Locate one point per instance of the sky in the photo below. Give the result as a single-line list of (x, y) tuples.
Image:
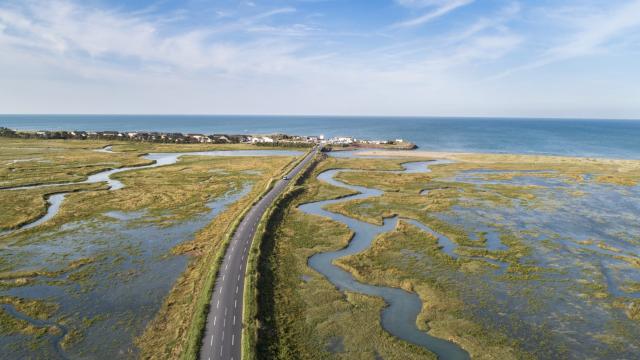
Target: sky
[(543, 58)]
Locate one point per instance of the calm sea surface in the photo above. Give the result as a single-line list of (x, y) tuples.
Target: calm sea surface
[(601, 138)]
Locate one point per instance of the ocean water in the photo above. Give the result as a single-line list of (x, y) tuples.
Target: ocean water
[(586, 137)]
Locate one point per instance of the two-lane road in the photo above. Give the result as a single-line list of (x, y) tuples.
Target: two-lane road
[(222, 337)]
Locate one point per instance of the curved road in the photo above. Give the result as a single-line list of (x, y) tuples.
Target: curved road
[(222, 337)]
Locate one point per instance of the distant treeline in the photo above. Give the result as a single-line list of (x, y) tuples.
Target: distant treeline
[(4, 132)]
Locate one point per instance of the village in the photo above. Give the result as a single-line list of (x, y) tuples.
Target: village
[(195, 138)]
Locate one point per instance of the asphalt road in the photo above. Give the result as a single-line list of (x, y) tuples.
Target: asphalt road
[(222, 337)]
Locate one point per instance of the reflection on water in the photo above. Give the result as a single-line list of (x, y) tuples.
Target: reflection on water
[(581, 242), (112, 297), (57, 331), (585, 238)]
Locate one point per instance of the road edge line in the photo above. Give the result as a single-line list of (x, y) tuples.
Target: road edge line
[(250, 292)]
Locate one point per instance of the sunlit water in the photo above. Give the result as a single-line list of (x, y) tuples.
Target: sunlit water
[(584, 236), (122, 290), (602, 138), (111, 299), (580, 234)]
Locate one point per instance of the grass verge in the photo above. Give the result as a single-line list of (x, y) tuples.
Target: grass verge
[(176, 332), (269, 221)]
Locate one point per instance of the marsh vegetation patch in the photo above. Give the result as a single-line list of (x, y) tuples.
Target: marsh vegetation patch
[(545, 253), (106, 262)]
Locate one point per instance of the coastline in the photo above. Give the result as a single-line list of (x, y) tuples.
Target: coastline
[(615, 139), (476, 156), (414, 153)]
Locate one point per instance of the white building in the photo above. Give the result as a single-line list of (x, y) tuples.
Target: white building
[(200, 138), (342, 140), (261, 139)]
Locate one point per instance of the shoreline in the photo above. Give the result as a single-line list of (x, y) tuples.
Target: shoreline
[(470, 156)]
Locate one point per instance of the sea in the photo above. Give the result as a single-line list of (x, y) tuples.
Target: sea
[(572, 137)]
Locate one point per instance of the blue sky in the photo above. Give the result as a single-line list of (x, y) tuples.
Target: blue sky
[(377, 57)]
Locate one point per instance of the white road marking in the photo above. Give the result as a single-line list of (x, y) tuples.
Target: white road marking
[(224, 322), (246, 240)]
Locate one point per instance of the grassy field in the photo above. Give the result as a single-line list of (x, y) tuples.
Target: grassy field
[(29, 162), (144, 147), (35, 161), (301, 315), (176, 330), (443, 313), (21, 207), (611, 171), (304, 316), (166, 195)]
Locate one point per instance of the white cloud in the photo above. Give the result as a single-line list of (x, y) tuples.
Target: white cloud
[(65, 56), (487, 38), (443, 8), (67, 30), (422, 3), (594, 31)]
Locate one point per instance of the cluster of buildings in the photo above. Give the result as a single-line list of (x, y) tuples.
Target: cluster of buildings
[(280, 139), (135, 136), (346, 140), (152, 136)]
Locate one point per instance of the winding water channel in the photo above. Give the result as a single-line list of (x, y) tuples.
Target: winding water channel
[(55, 339), (399, 317), (54, 201), (123, 287)]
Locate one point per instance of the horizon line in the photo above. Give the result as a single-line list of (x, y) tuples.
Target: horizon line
[(479, 117)]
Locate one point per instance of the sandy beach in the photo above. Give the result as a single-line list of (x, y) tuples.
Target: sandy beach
[(414, 153)]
